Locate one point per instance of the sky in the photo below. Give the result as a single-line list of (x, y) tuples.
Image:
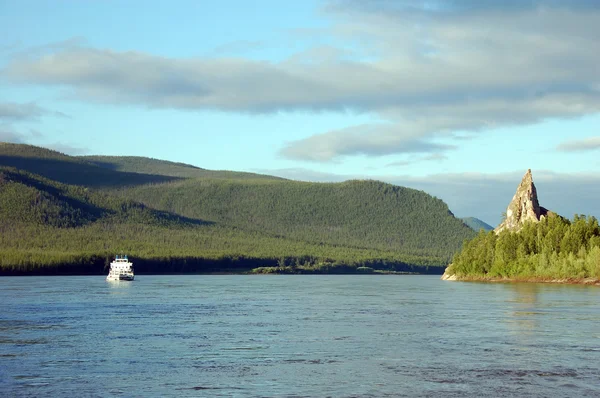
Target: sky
[(457, 98)]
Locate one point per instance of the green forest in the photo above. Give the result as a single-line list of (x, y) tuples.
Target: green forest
[(70, 215), (553, 249), (362, 214)]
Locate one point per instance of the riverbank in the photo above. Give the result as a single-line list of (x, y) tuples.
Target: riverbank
[(569, 281), (197, 266)]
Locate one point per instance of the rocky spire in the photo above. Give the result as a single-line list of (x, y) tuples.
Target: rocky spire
[(523, 207)]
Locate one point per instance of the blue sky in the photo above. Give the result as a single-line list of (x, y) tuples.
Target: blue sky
[(458, 98)]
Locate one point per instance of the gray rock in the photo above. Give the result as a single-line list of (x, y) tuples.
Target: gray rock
[(524, 206)]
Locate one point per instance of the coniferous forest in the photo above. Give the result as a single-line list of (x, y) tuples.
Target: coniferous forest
[(70, 215), (553, 249)]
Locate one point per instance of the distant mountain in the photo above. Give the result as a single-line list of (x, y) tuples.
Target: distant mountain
[(59, 209), (476, 224)]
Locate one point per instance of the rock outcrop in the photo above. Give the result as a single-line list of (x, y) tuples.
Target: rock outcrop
[(524, 206), (449, 275)]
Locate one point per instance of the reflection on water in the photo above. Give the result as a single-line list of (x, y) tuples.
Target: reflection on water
[(524, 307), (525, 292), (120, 287), (296, 336)]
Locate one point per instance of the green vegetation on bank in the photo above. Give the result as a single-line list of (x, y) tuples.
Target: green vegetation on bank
[(155, 249), (74, 216), (554, 248)]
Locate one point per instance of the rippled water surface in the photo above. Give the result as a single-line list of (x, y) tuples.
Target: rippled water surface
[(315, 336)]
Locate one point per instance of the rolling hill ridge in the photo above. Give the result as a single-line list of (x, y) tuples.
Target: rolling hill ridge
[(165, 214), (150, 166)]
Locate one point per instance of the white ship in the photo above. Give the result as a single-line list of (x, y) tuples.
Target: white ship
[(120, 270)]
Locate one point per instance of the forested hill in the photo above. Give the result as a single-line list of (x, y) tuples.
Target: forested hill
[(58, 209), (368, 214), (143, 165), (28, 199), (70, 169)]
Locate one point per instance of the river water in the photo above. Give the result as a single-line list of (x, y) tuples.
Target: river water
[(296, 336)]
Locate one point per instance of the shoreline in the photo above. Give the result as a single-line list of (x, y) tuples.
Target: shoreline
[(250, 272), (563, 281)]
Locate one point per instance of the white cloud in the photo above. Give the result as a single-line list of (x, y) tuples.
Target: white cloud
[(586, 144), (438, 157), (68, 149), (29, 111), (17, 112), (8, 134), (374, 140), (430, 69)]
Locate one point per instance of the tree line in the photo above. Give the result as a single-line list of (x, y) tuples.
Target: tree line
[(554, 248)]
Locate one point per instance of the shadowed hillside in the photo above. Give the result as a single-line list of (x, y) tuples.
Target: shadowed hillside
[(26, 198), (137, 164), (68, 169)]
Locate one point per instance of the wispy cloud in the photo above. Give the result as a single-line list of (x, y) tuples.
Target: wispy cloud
[(587, 144), (8, 134), (13, 114), (16, 112), (388, 7), (369, 140), (437, 157), (68, 149)]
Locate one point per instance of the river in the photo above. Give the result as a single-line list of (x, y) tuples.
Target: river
[(296, 336)]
